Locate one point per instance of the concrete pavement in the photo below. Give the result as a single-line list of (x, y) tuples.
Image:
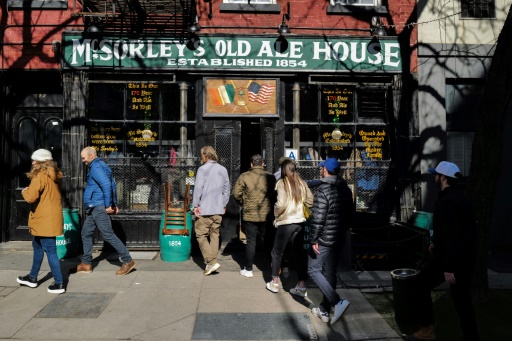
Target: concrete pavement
[(169, 301), (175, 301)]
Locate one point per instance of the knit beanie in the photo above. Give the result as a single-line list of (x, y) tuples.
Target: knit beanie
[(42, 155)]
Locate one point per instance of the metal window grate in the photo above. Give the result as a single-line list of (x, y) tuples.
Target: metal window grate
[(478, 9), (139, 182), (224, 148), (372, 103), (367, 180)]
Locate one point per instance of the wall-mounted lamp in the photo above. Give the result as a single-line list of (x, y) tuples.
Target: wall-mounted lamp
[(376, 27), (194, 27), (56, 47), (336, 134), (283, 28)]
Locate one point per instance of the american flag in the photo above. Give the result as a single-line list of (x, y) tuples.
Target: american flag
[(259, 93)]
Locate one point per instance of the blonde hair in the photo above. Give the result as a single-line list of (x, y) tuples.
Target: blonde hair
[(295, 185), (209, 153), (42, 166)]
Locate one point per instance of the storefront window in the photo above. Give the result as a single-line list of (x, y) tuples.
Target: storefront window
[(350, 124), (136, 129)]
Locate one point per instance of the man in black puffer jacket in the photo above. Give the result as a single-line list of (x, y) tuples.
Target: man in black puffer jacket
[(333, 212)]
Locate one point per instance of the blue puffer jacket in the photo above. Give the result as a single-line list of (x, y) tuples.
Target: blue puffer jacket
[(100, 188)]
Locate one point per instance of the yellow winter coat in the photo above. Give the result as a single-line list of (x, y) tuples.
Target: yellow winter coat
[(45, 219)]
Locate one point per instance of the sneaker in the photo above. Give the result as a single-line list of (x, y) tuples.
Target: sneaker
[(323, 315), (302, 292), (56, 288), (126, 268), (246, 273), (424, 333), (84, 268), (274, 287), (339, 309), (27, 280), (211, 268)]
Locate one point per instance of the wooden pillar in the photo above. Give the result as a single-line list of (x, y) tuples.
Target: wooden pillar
[(73, 137)]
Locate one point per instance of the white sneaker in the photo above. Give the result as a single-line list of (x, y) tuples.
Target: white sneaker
[(211, 268), (246, 273), (302, 292), (274, 287), (339, 309), (324, 316)]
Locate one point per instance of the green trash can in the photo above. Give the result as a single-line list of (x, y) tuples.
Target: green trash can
[(404, 294), (176, 247), (67, 243)]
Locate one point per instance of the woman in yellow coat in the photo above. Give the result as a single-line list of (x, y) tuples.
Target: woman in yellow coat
[(45, 221)]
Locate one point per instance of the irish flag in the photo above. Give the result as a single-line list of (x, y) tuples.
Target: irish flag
[(222, 95)]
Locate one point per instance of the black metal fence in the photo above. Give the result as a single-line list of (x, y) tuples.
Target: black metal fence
[(140, 181), (366, 179)]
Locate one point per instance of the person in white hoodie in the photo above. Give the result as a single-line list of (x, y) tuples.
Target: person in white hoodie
[(292, 194)]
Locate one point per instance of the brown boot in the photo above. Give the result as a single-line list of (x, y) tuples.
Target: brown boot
[(424, 333), (126, 268), (84, 268)]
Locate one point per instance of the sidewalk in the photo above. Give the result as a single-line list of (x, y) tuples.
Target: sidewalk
[(169, 301), (175, 301)]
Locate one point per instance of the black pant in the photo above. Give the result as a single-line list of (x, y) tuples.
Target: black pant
[(293, 234), (251, 230), (431, 277)]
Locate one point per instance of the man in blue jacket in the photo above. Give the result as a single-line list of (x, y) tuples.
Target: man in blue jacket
[(100, 200)]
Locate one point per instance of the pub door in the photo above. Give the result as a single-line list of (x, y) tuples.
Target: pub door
[(33, 129), (235, 141)]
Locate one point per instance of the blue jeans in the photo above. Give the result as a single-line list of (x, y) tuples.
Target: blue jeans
[(98, 217), (322, 270), (48, 245)]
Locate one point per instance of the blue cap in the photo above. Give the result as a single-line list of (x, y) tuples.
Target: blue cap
[(331, 164)]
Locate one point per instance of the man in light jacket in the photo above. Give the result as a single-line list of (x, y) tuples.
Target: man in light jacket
[(211, 195)]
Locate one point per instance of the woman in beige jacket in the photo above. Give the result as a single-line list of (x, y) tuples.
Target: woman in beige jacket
[(45, 221), (292, 194)]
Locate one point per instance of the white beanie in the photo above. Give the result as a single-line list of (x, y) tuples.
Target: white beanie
[(42, 155)]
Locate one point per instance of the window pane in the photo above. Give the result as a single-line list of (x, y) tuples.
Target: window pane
[(372, 104), (372, 143), (143, 101), (337, 141), (142, 139), (478, 9), (107, 139), (27, 139), (106, 101), (53, 134), (337, 104), (171, 102)]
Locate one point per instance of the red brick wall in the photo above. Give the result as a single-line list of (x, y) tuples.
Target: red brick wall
[(28, 37), (29, 34)]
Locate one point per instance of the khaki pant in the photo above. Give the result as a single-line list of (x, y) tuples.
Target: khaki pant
[(208, 226)]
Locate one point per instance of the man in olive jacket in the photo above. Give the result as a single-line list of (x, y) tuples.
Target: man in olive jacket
[(333, 211), (254, 191)]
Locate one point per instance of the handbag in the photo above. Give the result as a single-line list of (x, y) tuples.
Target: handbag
[(307, 211)]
